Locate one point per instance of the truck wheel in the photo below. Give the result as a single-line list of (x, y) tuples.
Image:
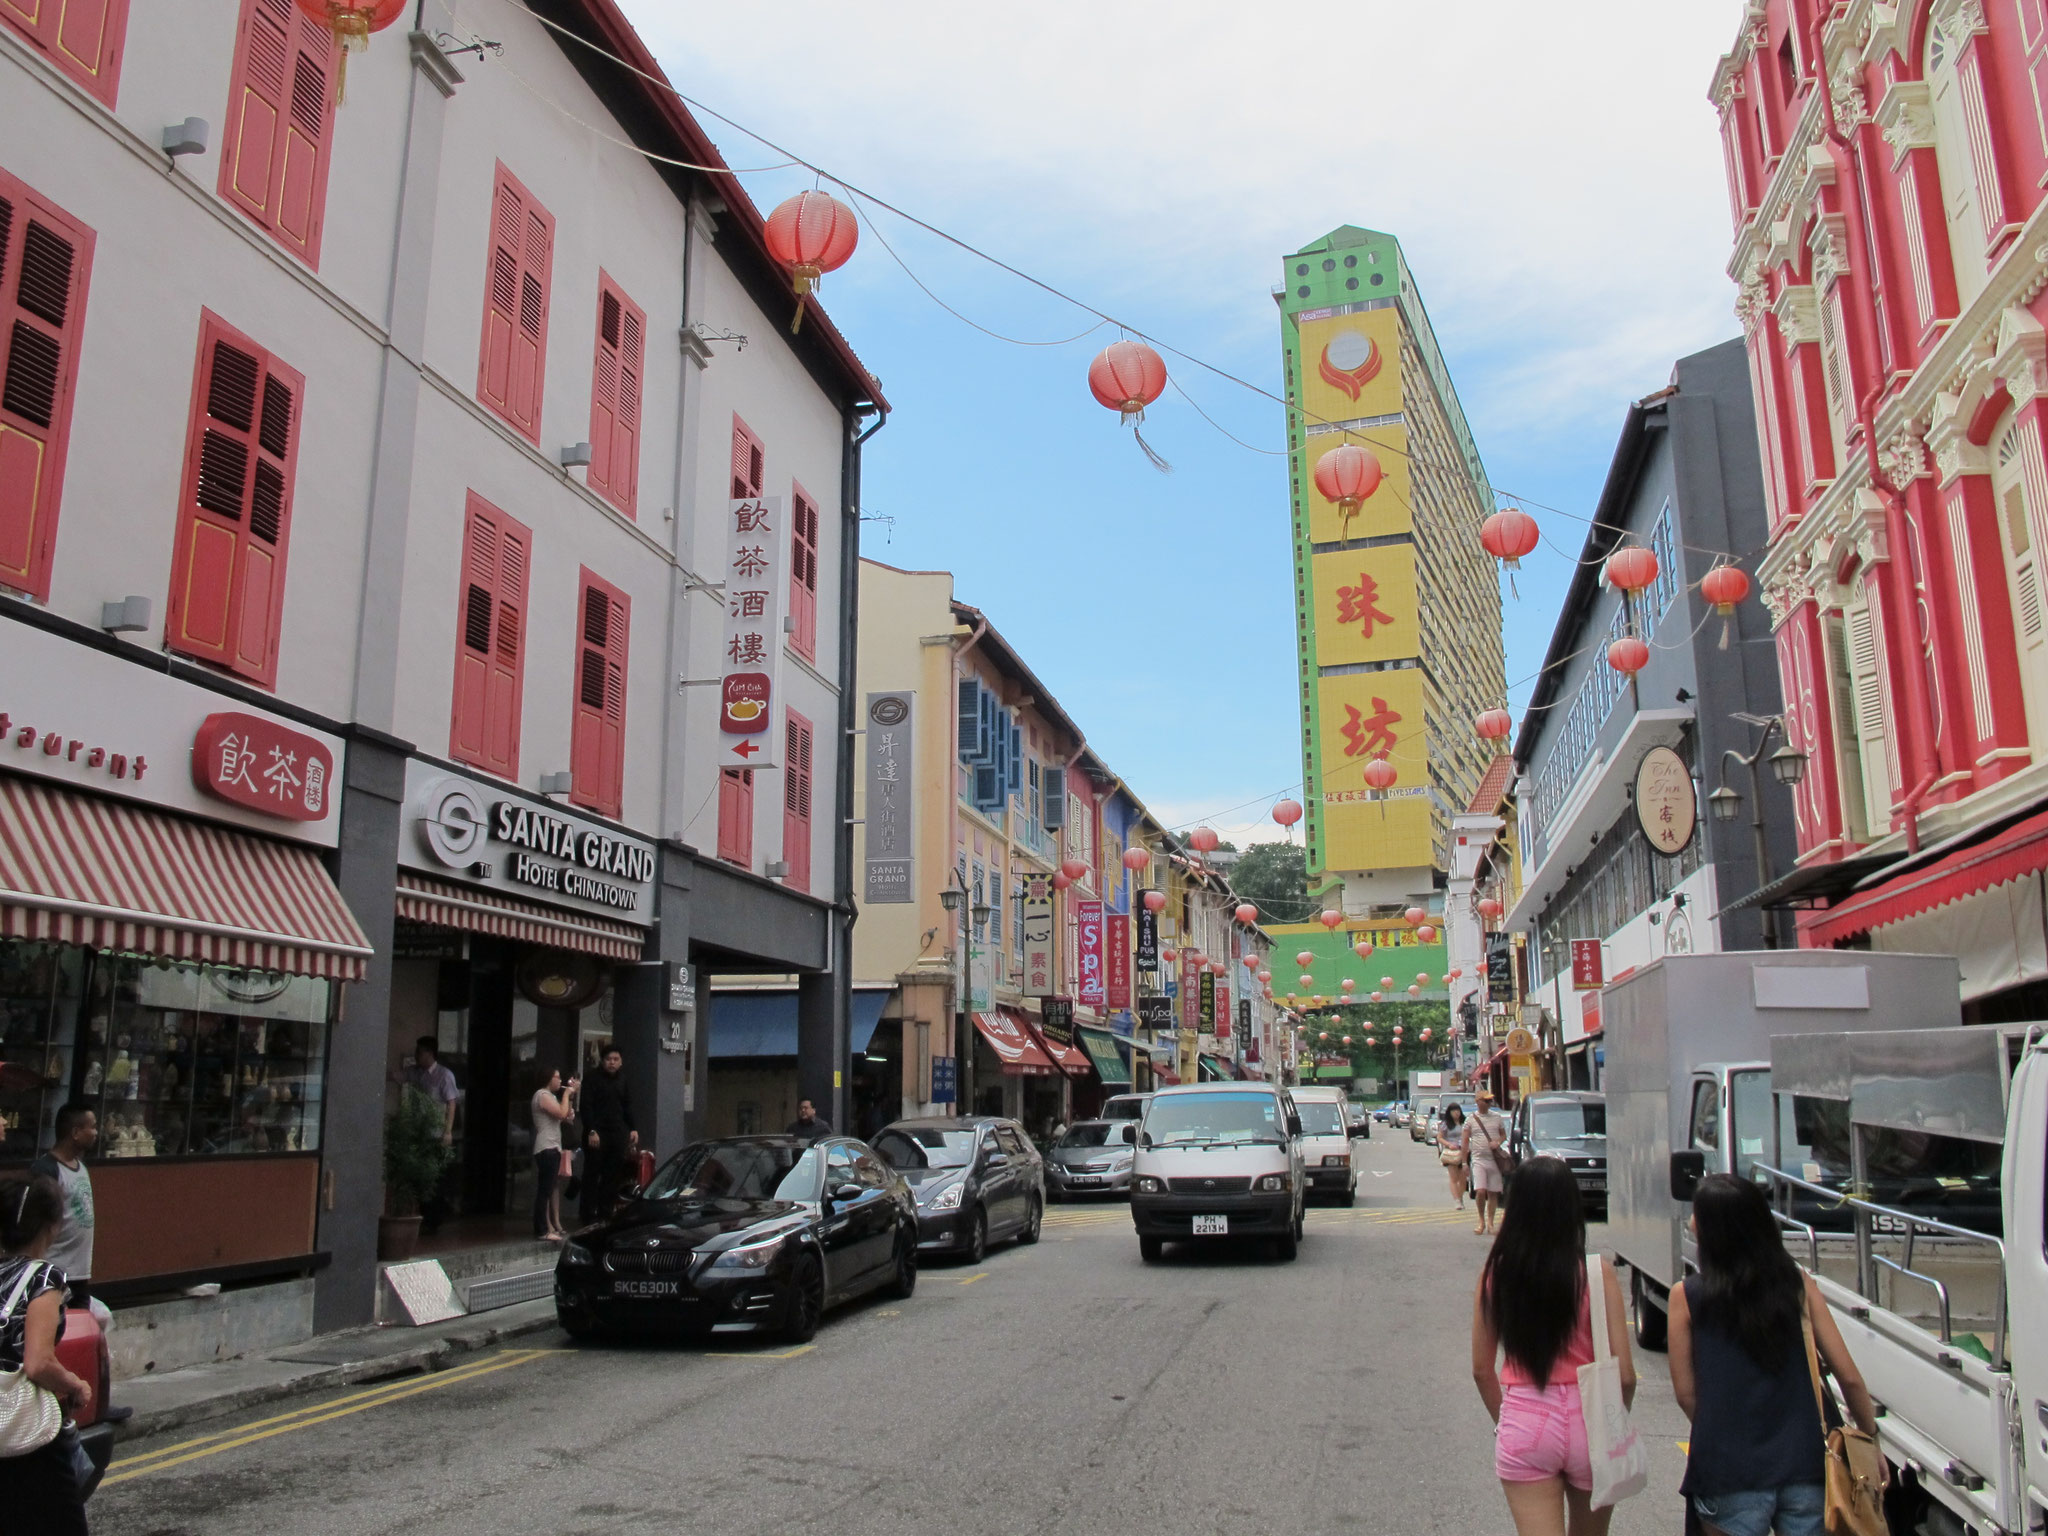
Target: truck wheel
[(1651, 1323), (1151, 1249), (1285, 1248)]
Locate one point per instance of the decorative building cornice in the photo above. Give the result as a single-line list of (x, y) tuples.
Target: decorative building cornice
[(1830, 246), (1959, 20), (2021, 358), (1905, 116), (1948, 437), (1846, 86), (1903, 458), (1798, 312), (1866, 527)]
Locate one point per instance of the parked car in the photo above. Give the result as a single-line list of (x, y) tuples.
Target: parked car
[(1092, 1158), (1422, 1120), (976, 1179), (763, 1231), (1218, 1160), (1125, 1106), (1572, 1126), (1327, 1131)]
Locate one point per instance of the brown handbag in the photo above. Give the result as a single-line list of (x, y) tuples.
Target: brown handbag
[(1854, 1464)]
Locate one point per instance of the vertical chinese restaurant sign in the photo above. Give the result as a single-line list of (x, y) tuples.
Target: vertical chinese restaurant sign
[(1190, 992), (1119, 941), (1090, 982), (756, 552), (1206, 1008), (892, 799), (268, 767), (1148, 939), (1586, 965), (1038, 935)]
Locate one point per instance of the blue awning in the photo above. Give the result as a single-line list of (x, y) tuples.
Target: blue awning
[(764, 1023)]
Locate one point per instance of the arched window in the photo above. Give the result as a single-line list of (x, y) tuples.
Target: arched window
[(1958, 170), (2021, 525)]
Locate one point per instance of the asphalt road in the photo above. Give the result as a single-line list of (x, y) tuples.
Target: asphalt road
[(1063, 1388)]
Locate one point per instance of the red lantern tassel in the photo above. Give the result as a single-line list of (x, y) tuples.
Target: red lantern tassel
[(1724, 632), (1157, 462)]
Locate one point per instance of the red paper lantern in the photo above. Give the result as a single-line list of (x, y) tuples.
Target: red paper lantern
[(1422, 978), (1136, 859), (1347, 1039), (1348, 985), (1415, 917), (1251, 962), (1203, 840), (1381, 774), (1415, 991), (1322, 1034), (1127, 376), (1489, 908), (1631, 568), (1155, 901), (1287, 812), (1493, 724), (1426, 934), (1363, 949), (1508, 535), (1307, 980), (351, 22), (1370, 1041), (1347, 476), (1386, 981), (1379, 997), (1725, 586), (1217, 968), (1332, 919), (1246, 913), (1454, 973), (1059, 880), (809, 235), (1425, 1034), (1305, 959), (1264, 974), (1628, 654), (1074, 869)]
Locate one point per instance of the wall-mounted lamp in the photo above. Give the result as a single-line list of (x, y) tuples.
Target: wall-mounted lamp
[(186, 138), (776, 869), (557, 783), (128, 616), (576, 456)]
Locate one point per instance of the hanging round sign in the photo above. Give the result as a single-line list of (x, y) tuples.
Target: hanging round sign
[(1667, 806)]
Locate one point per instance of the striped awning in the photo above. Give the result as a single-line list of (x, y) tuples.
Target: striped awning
[(77, 869), (478, 911)]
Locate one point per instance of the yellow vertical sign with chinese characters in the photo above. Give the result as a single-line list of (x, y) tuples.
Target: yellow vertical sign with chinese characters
[(1365, 605), (1364, 715)]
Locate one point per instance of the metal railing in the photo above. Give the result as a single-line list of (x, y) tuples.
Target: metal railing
[(1864, 1213)]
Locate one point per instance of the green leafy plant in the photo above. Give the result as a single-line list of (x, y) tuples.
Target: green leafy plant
[(414, 1156)]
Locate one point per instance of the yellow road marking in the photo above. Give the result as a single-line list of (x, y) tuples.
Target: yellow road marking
[(972, 1278), (285, 1424), (760, 1354)]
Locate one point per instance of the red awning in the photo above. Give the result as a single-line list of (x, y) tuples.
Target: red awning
[(1014, 1046), (77, 869), (2020, 850), (1071, 1059)]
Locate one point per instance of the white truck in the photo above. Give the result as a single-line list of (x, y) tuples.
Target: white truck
[(1910, 1171), (1688, 1070)]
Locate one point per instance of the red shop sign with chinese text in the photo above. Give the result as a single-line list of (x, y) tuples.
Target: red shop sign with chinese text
[(1586, 964), (1089, 984), (253, 762), (1119, 960)]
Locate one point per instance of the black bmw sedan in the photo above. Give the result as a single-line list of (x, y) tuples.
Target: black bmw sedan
[(754, 1233)]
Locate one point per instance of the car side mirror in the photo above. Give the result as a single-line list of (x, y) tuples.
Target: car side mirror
[(1687, 1169), (846, 1193), (1294, 1125), (1130, 1135), (998, 1160), (1361, 1129)]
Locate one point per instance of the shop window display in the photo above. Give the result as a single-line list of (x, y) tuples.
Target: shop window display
[(40, 988)]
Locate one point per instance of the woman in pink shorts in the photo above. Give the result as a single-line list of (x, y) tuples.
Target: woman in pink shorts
[(1532, 1328)]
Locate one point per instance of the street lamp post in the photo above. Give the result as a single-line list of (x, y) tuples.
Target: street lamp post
[(954, 899), (1788, 767)]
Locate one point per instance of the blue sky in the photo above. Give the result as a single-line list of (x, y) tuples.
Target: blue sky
[(1553, 173)]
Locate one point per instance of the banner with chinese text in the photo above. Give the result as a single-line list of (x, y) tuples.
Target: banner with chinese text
[(1118, 941), (755, 573), (1038, 935), (891, 815)]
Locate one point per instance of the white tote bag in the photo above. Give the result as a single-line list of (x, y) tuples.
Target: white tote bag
[(1620, 1464), (30, 1416)]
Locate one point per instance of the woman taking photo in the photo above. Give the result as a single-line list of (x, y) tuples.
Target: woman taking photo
[(38, 1486), (1740, 1373), (1450, 1150), (1532, 1328), (551, 1110)]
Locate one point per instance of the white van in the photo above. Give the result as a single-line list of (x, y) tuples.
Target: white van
[(1327, 1128), (1217, 1160)]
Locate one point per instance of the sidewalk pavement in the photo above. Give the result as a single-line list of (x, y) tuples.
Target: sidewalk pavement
[(331, 1360)]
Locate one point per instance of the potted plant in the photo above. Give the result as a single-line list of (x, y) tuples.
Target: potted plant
[(415, 1158)]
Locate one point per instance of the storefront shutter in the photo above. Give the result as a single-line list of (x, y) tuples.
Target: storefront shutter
[(490, 639), (81, 37), (273, 163), (515, 340), (227, 571), (597, 752), (615, 397), (44, 259), (796, 801)]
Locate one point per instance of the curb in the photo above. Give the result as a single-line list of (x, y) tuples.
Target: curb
[(432, 1355)]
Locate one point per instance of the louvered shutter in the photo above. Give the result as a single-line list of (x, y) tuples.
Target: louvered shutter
[(1866, 681), (44, 260), (736, 816), (227, 571), (615, 397), (803, 572), (490, 641), (597, 752), (516, 278), (796, 801), (81, 37), (748, 462), (273, 163)]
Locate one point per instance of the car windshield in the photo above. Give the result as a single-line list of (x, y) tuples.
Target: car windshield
[(1567, 1120), (1217, 1119), (912, 1147), (1320, 1119), (738, 1170), (1089, 1133), (1126, 1106)]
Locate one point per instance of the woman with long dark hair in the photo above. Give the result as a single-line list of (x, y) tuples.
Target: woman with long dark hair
[(1450, 1150), (1739, 1370), (39, 1485), (1532, 1328)]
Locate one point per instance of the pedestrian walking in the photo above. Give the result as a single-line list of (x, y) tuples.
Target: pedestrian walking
[(430, 1075), (76, 1131), (808, 1124), (553, 1107), (1486, 1149), (1740, 1332), (1532, 1314), (39, 1461), (1450, 1150), (608, 1135)]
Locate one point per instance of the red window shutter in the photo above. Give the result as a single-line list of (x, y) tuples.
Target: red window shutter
[(749, 462), (615, 396), (736, 816), (803, 572), (234, 526), (515, 341), (597, 751), (45, 256), (81, 37), (796, 801), (280, 123), (490, 639)]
